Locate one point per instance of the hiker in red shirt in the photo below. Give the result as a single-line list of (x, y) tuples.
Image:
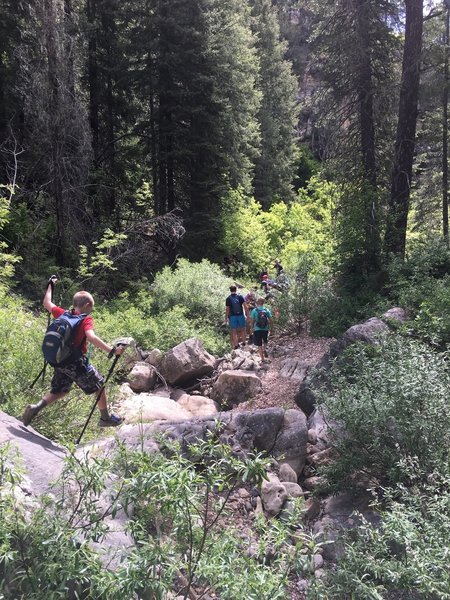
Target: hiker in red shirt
[(79, 370)]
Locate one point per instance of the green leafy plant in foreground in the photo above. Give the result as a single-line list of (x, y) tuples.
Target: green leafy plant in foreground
[(177, 508), (387, 402), (405, 555)]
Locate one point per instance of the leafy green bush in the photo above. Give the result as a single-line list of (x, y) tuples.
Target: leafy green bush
[(422, 285), (123, 317), (199, 287), (405, 556), (389, 402), (178, 520)]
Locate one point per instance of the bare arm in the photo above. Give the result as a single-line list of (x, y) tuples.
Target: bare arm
[(93, 338), (47, 301)]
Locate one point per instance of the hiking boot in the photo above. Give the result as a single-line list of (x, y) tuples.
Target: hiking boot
[(29, 413), (111, 421), (266, 354)]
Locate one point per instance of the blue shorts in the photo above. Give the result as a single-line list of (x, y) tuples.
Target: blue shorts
[(237, 322)]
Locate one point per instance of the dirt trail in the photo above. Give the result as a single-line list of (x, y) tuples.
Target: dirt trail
[(277, 390)]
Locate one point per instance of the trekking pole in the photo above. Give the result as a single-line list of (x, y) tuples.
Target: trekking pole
[(51, 281), (116, 358)]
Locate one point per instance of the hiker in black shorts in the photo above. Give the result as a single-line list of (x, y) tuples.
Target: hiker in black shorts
[(80, 371)]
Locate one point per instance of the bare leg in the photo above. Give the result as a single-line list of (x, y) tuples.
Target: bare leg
[(233, 338), (241, 335), (33, 409)]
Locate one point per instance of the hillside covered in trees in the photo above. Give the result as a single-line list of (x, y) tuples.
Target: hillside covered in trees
[(154, 152)]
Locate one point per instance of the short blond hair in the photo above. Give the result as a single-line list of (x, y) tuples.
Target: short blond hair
[(82, 298)]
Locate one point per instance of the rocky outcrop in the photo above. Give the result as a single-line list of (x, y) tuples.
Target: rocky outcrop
[(366, 332), (142, 377), (233, 387), (272, 430), (186, 362), (42, 459)]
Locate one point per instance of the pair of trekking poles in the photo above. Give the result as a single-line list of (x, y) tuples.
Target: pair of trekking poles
[(51, 282)]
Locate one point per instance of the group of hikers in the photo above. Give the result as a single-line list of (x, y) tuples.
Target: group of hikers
[(73, 329), (249, 316)]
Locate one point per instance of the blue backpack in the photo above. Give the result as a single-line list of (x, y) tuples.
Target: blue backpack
[(58, 344), (236, 305)]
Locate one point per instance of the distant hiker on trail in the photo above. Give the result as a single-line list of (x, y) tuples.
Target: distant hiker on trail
[(278, 267), (250, 301), (235, 315), (77, 368), (261, 325)]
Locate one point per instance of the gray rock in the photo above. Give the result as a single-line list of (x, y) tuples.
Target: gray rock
[(42, 459), (293, 490), (234, 387), (293, 368), (186, 362), (154, 357), (142, 377), (287, 474), (290, 446), (273, 495)]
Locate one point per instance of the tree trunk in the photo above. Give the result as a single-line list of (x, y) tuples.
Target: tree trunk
[(56, 185), (445, 132), (93, 82), (395, 238), (367, 134)]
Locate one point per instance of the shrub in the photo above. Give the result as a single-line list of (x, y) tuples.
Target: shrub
[(123, 318), (388, 402), (422, 285), (178, 510), (199, 287), (404, 557)]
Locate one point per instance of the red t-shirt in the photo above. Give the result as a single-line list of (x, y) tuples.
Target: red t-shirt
[(86, 324)]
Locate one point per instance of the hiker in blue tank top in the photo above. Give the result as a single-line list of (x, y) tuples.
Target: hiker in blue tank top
[(261, 319), (235, 314)]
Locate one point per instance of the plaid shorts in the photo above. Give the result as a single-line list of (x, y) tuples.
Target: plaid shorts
[(80, 372)]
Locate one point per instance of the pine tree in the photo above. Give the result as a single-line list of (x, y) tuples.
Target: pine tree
[(278, 112)]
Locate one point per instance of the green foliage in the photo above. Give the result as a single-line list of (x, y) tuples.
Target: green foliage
[(403, 557), (7, 259), (100, 260), (136, 317), (422, 285), (177, 512), (389, 403), (287, 231), (199, 287)]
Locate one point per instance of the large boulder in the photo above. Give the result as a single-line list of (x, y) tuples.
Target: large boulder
[(145, 408), (290, 445), (186, 362), (42, 459), (142, 377), (366, 332), (233, 387), (278, 433)]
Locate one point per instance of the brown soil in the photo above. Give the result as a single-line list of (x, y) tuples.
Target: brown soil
[(280, 391)]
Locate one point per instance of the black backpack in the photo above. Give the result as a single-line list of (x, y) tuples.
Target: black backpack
[(262, 319), (58, 344), (236, 304)]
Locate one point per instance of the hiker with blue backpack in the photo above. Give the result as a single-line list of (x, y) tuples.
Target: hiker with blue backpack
[(65, 348), (261, 324), (235, 314)]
